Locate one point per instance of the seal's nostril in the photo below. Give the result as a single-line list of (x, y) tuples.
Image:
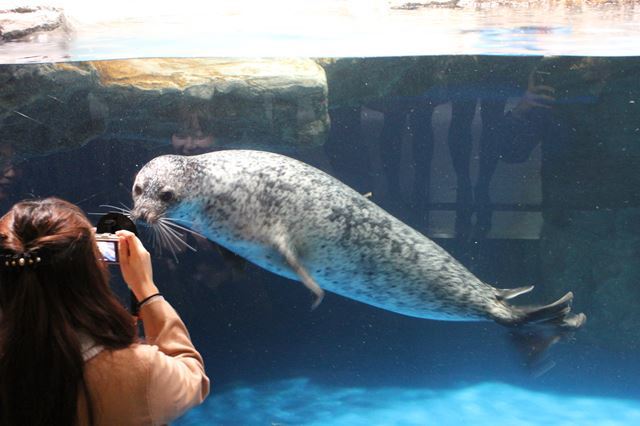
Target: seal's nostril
[(140, 214)]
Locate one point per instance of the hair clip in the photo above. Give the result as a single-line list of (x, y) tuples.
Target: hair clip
[(21, 260)]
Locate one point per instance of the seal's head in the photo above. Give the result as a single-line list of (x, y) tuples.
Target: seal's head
[(159, 187)]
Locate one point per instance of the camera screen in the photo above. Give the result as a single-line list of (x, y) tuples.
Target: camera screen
[(109, 251)]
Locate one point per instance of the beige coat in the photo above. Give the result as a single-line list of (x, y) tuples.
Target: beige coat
[(147, 384)]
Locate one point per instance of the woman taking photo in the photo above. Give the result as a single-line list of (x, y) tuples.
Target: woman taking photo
[(69, 352)]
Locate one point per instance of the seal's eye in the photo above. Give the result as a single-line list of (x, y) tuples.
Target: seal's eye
[(166, 196), (137, 190)]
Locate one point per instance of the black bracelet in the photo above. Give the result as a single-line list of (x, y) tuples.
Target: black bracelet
[(146, 299)]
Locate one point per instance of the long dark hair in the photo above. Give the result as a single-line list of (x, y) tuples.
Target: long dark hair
[(45, 307)]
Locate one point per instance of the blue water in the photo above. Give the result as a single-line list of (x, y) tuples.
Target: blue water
[(350, 364), (379, 369), (301, 401)]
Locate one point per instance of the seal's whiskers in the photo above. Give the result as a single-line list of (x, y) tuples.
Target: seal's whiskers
[(154, 240), (165, 239), (162, 240), (172, 222), (124, 210), (175, 234)]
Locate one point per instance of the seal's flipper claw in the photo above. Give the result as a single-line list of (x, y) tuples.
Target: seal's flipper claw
[(510, 293), (318, 299), (308, 281), (294, 263)]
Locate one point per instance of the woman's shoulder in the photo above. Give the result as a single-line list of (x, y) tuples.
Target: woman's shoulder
[(134, 357)]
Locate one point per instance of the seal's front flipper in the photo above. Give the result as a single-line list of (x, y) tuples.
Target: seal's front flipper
[(294, 263)]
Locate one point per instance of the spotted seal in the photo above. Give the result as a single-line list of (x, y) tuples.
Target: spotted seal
[(299, 222)]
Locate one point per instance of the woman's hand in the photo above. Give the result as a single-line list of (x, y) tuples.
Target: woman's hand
[(135, 264), (538, 95)]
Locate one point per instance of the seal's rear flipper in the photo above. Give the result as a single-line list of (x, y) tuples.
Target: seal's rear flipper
[(533, 345), (556, 314), (537, 328)]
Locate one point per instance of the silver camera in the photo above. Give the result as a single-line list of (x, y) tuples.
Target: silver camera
[(108, 246)]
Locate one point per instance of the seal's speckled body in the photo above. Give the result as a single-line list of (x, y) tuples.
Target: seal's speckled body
[(299, 222)]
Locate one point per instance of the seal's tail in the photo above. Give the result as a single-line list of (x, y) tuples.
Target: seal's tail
[(536, 328), (556, 315)]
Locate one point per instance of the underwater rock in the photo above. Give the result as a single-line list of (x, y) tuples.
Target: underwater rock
[(279, 104), (47, 108), (276, 103)]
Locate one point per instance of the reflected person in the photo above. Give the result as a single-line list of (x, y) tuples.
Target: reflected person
[(583, 114), (10, 174), (201, 267), (415, 115), (533, 121), (460, 140), (194, 134), (192, 142)]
